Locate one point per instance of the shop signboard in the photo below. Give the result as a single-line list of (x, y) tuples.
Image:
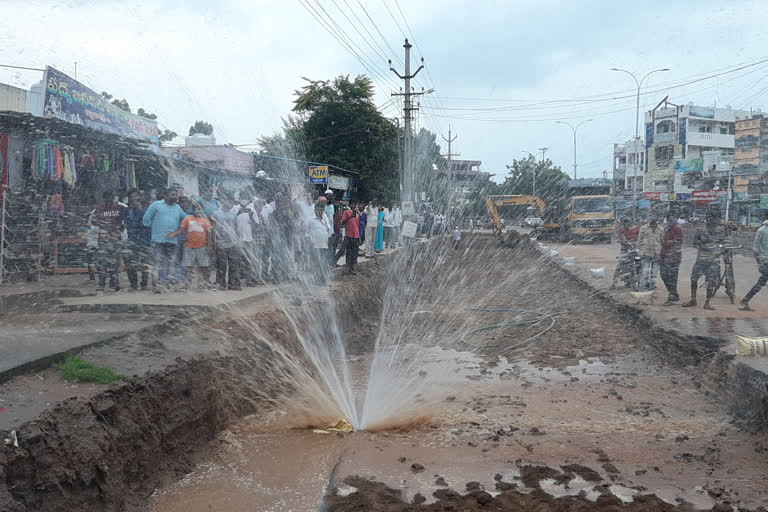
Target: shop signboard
[(683, 196), (692, 165), (740, 196), (708, 196), (652, 196), (644, 203), (318, 174), (703, 112), (338, 182), (69, 100), (764, 201)]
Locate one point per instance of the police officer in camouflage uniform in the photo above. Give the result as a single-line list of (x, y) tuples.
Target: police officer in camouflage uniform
[(710, 242)]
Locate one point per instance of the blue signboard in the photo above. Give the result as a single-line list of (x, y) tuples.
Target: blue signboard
[(683, 196), (69, 100), (644, 203)]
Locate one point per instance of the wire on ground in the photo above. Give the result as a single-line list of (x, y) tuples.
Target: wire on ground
[(543, 316)]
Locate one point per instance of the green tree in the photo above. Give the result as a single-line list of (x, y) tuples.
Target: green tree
[(550, 179), (288, 143), (341, 127), (144, 113), (201, 127), (167, 136), (121, 104)]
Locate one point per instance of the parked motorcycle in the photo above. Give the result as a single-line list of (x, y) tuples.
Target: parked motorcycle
[(630, 268)]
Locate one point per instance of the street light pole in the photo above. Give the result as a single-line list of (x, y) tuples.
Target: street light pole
[(639, 84), (574, 128)]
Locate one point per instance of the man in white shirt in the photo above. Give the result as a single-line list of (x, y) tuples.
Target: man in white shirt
[(398, 220), (439, 219), (389, 227), (248, 220), (319, 229), (370, 228)]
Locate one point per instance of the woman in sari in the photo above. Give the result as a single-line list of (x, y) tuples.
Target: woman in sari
[(379, 245)]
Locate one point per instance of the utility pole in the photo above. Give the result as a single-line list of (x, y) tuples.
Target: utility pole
[(451, 171), (408, 107), (399, 156)]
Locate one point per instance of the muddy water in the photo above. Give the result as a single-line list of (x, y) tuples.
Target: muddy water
[(642, 428)]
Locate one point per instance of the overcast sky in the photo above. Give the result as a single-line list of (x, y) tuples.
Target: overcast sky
[(235, 63)]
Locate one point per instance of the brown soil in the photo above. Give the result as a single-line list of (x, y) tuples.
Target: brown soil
[(110, 451), (377, 497)]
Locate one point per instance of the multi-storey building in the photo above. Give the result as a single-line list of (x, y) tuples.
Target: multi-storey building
[(680, 138)]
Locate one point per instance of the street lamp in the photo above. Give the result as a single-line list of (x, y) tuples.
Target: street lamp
[(637, 125), (574, 128)]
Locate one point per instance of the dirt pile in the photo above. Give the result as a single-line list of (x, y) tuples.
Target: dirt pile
[(110, 452)]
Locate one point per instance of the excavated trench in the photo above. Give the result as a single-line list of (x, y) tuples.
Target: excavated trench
[(607, 411)]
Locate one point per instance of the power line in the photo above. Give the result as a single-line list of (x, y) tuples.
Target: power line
[(392, 50), (20, 67), (347, 37), (582, 101), (319, 18)]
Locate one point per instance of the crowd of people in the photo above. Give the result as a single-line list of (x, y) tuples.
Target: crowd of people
[(659, 247), (246, 240)]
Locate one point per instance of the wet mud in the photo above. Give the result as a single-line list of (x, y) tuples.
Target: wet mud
[(607, 411)]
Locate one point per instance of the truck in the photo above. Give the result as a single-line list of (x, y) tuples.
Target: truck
[(591, 216), (583, 213)]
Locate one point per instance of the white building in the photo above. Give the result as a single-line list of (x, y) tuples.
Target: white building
[(679, 137), (628, 163)]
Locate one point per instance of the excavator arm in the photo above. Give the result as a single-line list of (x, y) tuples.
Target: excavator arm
[(491, 202)]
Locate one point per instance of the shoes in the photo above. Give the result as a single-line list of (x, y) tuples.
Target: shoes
[(157, 290), (707, 306), (690, 304), (99, 291), (745, 306), (235, 288)]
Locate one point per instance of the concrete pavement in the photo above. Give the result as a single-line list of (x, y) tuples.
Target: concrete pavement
[(43, 321), (724, 322)]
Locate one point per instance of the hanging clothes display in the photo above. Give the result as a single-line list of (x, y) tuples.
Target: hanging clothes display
[(58, 164), (89, 162), (73, 170), (69, 175), (130, 174)]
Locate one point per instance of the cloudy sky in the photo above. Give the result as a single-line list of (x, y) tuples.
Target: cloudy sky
[(499, 69)]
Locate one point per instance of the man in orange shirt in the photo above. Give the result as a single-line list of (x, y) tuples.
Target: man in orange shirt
[(197, 246)]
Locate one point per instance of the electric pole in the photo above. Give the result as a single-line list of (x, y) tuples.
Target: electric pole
[(543, 152), (451, 171), (407, 109)]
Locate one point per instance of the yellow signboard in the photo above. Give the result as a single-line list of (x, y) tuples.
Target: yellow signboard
[(318, 174)]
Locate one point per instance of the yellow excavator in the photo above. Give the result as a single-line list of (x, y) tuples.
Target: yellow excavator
[(550, 226), (582, 218)]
